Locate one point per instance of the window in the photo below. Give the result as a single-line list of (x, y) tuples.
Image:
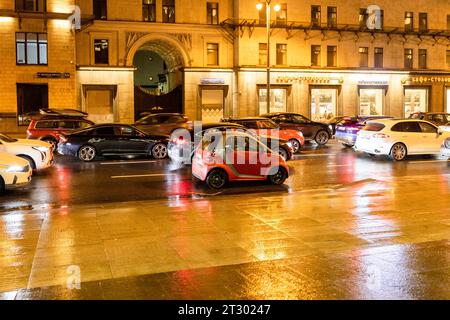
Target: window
[(428, 128), (363, 17), (423, 22), (101, 49), (409, 21), (31, 5), (409, 60), (316, 52), (212, 54), (332, 17), (422, 58), (149, 10), (263, 15), (282, 15), (371, 102), (331, 56), (411, 127), (315, 16), (212, 13), (31, 48), (100, 10), (416, 100), (378, 59), (364, 57), (278, 101), (168, 11), (281, 54), (105, 131), (448, 22), (262, 54), (448, 59), (323, 104)]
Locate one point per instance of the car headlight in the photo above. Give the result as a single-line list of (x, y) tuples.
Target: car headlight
[(41, 149), (16, 169)]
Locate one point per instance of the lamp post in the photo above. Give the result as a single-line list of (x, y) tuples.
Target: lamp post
[(276, 8)]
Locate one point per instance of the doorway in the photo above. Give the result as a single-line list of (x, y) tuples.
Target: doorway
[(30, 98), (99, 103), (212, 105)]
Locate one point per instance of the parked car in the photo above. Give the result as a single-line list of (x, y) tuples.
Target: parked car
[(39, 154), (400, 138), (112, 139), (49, 126), (445, 127), (445, 149), (181, 147), (163, 123), (266, 127), (347, 130), (14, 171), (216, 161), (312, 131), (438, 118), (332, 123)]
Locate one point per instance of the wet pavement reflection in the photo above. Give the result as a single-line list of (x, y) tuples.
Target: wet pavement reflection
[(346, 226)]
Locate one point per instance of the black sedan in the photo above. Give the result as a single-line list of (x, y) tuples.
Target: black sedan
[(312, 131), (112, 140)]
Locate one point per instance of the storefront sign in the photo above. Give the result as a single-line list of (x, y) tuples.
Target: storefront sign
[(373, 83), (53, 75), (427, 79), (213, 81), (310, 79)]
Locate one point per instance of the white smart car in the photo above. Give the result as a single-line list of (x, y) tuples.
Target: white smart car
[(38, 153), (445, 149), (14, 171), (399, 138)]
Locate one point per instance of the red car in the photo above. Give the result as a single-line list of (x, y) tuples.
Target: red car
[(224, 157), (266, 127), (49, 128)]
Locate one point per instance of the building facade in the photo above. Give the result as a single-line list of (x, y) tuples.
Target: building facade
[(208, 59)]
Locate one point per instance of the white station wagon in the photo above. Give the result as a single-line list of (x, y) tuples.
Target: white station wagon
[(400, 138), (14, 171)]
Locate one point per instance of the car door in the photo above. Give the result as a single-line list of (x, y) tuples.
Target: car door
[(431, 139), (242, 156), (106, 140), (412, 137), (132, 141), (305, 126)]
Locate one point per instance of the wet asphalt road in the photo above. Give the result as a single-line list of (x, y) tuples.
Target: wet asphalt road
[(72, 182)]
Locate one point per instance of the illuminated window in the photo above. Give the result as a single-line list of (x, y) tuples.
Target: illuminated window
[(316, 52), (168, 11), (212, 13), (101, 49), (379, 58), (262, 54), (149, 10), (316, 16), (31, 5), (212, 54), (281, 54), (282, 14), (416, 100), (31, 48), (409, 59), (423, 58), (423, 22), (100, 10), (331, 56), (332, 17), (363, 57), (371, 102), (323, 104), (409, 21), (278, 100)]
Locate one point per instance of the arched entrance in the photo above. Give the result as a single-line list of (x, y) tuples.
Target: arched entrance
[(158, 79)]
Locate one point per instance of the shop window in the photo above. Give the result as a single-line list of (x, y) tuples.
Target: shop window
[(101, 50), (423, 54), (281, 54), (168, 11), (31, 5), (100, 10), (212, 54), (212, 13), (409, 21), (379, 58), (278, 100), (371, 102), (31, 48), (332, 56), (316, 52), (363, 57), (315, 16), (409, 59), (323, 104), (416, 100), (282, 15), (263, 54), (332, 17), (423, 22), (149, 10)]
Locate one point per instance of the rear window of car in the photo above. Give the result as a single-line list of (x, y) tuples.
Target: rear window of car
[(105, 131), (47, 125), (374, 126)]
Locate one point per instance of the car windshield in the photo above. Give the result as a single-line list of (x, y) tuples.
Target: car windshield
[(267, 124), (6, 138)]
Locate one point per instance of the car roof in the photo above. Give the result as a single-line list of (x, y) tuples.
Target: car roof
[(163, 114), (248, 119), (397, 120)]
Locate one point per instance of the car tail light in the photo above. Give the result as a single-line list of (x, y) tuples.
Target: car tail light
[(380, 136)]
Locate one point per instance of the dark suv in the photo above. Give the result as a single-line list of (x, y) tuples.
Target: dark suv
[(438, 118), (312, 131), (163, 123)]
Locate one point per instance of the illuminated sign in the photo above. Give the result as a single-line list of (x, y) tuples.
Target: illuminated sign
[(427, 79), (310, 79), (216, 81), (373, 83)]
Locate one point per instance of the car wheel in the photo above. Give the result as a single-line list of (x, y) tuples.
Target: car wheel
[(30, 161), (87, 153), (398, 152), (159, 151), (52, 142), (284, 154), (322, 138), (217, 179), (2, 185), (295, 145), (279, 177)]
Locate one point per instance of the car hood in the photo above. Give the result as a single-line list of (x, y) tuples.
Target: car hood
[(7, 159), (31, 143)]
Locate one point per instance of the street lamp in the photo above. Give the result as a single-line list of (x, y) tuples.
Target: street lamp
[(276, 8)]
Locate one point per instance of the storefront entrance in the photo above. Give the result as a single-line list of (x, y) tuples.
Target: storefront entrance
[(323, 104), (30, 98), (371, 101), (416, 100), (99, 103), (212, 104)]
